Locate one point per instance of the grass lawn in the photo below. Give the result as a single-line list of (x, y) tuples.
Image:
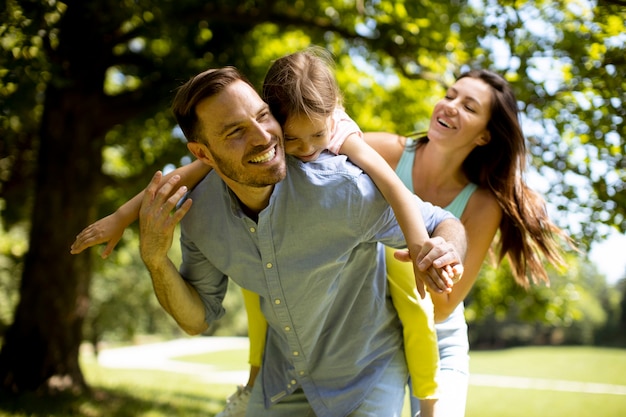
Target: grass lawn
[(127, 393), (130, 393), (585, 364)]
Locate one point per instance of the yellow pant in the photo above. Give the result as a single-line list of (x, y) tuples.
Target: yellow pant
[(418, 321), (257, 326), (416, 315)]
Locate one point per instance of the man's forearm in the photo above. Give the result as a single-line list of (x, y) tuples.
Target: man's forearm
[(156, 231), (453, 232), (178, 297)]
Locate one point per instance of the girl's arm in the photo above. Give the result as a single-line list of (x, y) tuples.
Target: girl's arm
[(481, 219), (110, 229), (401, 200)]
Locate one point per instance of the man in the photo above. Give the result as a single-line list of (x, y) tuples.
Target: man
[(302, 236)]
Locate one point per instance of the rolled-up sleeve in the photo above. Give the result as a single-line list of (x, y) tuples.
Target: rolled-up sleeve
[(377, 215), (209, 282), (432, 215)]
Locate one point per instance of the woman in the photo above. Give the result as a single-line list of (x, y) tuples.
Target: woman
[(471, 162)]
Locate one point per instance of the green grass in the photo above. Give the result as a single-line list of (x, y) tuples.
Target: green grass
[(588, 364), (126, 393), (585, 364), (130, 393)]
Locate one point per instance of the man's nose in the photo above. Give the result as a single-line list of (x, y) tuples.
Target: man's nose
[(261, 134)]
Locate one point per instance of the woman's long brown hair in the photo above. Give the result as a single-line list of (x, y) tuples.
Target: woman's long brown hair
[(526, 232)]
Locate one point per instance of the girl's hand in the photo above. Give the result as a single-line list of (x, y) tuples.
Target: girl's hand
[(437, 266), (433, 279), (107, 230)]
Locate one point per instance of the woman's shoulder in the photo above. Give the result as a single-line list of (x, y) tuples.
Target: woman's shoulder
[(483, 204), (389, 145)]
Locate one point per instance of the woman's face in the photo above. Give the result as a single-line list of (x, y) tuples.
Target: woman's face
[(460, 119)]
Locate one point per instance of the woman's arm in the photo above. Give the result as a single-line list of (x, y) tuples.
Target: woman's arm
[(110, 229), (401, 200), (481, 219)]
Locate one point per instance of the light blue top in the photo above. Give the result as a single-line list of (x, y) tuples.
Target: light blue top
[(313, 260), (405, 170)]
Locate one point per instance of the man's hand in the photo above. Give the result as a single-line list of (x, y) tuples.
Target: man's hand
[(437, 265), (158, 218)]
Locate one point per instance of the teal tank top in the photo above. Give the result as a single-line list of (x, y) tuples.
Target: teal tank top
[(405, 169)]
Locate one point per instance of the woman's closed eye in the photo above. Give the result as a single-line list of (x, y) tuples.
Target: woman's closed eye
[(263, 116)]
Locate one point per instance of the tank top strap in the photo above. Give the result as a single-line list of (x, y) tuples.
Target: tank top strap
[(457, 206), (405, 172), (405, 165)]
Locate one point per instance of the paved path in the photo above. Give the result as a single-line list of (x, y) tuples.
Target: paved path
[(161, 356)]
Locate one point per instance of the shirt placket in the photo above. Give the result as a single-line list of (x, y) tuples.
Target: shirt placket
[(279, 305)]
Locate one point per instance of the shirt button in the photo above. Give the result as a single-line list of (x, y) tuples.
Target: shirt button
[(277, 301), (287, 328), (252, 230), (268, 265), (301, 373), (293, 382), (296, 353)]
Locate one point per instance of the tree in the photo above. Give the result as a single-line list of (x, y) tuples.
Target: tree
[(621, 325), (572, 309), (85, 87), (69, 49)]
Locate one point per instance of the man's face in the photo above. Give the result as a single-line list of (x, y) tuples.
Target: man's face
[(244, 140)]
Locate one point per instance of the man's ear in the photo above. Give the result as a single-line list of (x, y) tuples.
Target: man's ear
[(201, 152)]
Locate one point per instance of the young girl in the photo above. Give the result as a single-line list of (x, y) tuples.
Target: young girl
[(304, 97)]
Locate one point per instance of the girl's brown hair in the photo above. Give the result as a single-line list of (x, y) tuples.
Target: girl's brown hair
[(302, 83)]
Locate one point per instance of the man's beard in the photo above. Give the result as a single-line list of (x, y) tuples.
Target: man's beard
[(251, 179)]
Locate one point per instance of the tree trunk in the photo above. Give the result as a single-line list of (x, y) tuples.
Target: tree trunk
[(40, 351)]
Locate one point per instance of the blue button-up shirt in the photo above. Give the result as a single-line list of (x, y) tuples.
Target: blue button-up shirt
[(312, 258)]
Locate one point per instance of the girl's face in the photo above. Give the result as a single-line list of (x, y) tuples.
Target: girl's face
[(306, 138), (461, 117)]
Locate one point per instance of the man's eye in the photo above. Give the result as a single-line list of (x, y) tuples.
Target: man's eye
[(289, 138), (233, 133)]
